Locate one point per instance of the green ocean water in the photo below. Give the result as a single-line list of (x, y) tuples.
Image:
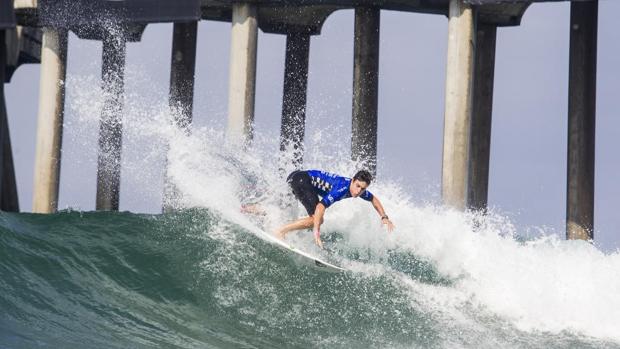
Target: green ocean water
[(194, 280)]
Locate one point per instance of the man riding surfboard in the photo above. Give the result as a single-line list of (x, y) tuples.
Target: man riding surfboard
[(317, 190)]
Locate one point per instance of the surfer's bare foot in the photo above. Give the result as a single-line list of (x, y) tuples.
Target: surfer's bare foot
[(254, 209)]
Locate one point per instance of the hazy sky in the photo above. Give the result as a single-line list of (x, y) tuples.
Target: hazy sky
[(528, 150)]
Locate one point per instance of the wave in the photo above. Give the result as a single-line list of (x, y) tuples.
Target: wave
[(194, 279), (199, 278)]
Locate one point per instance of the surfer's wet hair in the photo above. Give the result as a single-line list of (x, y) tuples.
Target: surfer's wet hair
[(363, 176)]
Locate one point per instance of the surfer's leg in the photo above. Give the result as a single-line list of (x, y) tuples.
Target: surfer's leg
[(304, 192), (302, 223)]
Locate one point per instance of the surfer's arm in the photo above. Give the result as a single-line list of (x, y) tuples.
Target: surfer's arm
[(317, 220), (384, 217)]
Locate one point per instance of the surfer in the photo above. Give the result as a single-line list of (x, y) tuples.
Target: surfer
[(317, 190)]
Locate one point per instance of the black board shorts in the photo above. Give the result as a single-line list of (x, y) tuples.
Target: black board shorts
[(302, 187)]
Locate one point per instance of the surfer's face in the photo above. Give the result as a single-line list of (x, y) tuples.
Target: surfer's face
[(357, 187)]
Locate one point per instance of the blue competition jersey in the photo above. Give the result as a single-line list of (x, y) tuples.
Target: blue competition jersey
[(332, 187)]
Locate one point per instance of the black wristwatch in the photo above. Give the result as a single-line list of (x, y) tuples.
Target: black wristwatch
[(384, 217)]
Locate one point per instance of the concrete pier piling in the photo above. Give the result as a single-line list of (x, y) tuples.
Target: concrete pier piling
[(581, 120), (480, 140), (9, 200), (8, 187), (182, 74), (182, 69), (292, 129), (458, 105), (242, 80), (365, 87), (51, 114), (111, 131), (3, 112)]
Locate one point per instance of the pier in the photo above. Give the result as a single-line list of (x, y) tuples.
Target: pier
[(38, 30)]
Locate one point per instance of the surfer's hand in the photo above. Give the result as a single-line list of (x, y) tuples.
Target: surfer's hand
[(317, 238), (389, 224)]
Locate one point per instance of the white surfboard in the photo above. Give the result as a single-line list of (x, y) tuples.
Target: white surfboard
[(304, 257)]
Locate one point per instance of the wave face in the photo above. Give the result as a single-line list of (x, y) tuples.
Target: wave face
[(194, 279)]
